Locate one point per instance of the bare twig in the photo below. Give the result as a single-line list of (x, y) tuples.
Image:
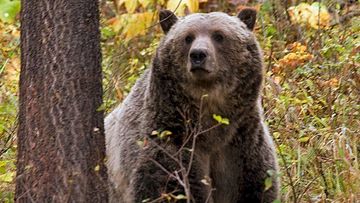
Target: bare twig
[(166, 171), (292, 185), (177, 6), (209, 196), (346, 17), (306, 188)]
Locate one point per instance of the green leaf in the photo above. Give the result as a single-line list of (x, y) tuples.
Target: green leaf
[(221, 120), (268, 183), (270, 30), (8, 10)]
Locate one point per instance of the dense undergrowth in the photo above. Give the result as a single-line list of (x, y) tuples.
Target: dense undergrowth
[(311, 91)]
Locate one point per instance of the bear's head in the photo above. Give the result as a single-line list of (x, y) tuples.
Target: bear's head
[(214, 53)]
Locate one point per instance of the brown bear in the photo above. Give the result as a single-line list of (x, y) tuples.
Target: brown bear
[(163, 141)]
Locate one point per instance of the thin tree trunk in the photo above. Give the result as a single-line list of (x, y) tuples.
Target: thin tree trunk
[(61, 147)]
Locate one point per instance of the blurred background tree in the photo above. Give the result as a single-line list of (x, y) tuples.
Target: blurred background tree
[(311, 95)]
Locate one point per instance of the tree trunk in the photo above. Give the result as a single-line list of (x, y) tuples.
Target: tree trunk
[(61, 146)]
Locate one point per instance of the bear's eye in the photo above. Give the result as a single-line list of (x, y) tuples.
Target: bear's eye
[(218, 37), (189, 39)]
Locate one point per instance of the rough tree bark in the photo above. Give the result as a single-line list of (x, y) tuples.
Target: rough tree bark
[(61, 147)]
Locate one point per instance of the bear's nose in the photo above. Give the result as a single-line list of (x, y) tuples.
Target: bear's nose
[(198, 56)]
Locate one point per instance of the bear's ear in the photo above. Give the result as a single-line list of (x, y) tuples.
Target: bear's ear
[(167, 19), (248, 16)]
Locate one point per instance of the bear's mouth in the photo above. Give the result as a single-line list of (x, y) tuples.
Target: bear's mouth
[(199, 70)]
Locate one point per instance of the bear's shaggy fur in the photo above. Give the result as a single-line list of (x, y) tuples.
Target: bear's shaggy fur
[(206, 64)]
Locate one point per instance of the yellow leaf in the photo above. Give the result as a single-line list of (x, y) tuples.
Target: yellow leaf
[(164, 134), (313, 15), (120, 2), (334, 82), (133, 25), (144, 3), (176, 6), (166, 196), (179, 197), (179, 6), (304, 139), (277, 79), (320, 16), (131, 5), (193, 5)]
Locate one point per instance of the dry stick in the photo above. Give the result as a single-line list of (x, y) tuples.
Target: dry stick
[(157, 199), (164, 150), (165, 170), (270, 57), (208, 198), (185, 181), (192, 155), (162, 197), (318, 24), (185, 173), (287, 172), (193, 147), (10, 136), (192, 130), (321, 171), (292, 185), (306, 188), (346, 17), (187, 186), (194, 141), (186, 133), (177, 6), (286, 5), (195, 136)]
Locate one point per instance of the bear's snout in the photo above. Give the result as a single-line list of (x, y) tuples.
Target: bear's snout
[(198, 57)]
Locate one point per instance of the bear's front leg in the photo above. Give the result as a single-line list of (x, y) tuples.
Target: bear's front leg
[(255, 172), (239, 170), (257, 162)]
